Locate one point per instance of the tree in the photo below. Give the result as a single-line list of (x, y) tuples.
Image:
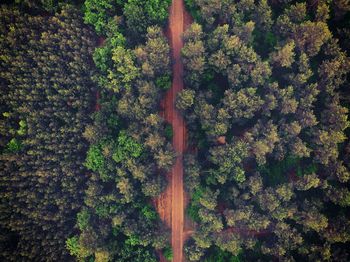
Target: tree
[(193, 54), (314, 220), (208, 199), (126, 148), (339, 196), (288, 239), (95, 159), (98, 13), (124, 71), (255, 184), (325, 145), (92, 134), (42, 5), (73, 246), (242, 104), (140, 15), (83, 218), (154, 56), (102, 256), (192, 172), (284, 56), (228, 159), (263, 15), (266, 143), (268, 200), (307, 182), (193, 251), (322, 12), (165, 158), (310, 36), (229, 242), (185, 99)]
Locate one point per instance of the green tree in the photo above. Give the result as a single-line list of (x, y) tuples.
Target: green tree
[(73, 246), (14, 145), (124, 70), (94, 159), (98, 13), (185, 99), (284, 56), (142, 14), (83, 219), (126, 147)]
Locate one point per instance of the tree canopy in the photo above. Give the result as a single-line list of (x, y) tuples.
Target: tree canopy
[(264, 111)]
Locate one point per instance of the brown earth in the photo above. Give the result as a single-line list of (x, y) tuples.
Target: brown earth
[(171, 204)]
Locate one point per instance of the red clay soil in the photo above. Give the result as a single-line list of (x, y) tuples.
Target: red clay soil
[(172, 202)]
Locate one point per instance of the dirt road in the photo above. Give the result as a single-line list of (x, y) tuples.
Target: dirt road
[(177, 212), (170, 204)]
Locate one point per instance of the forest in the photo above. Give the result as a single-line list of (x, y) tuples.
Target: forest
[(266, 102), (85, 151), (78, 175)]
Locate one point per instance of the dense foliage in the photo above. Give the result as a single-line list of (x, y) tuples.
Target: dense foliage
[(84, 152), (129, 156), (135, 16), (270, 178), (129, 153), (58, 195), (46, 99)]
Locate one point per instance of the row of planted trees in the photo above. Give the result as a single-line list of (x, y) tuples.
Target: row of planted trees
[(269, 179), (46, 100)]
